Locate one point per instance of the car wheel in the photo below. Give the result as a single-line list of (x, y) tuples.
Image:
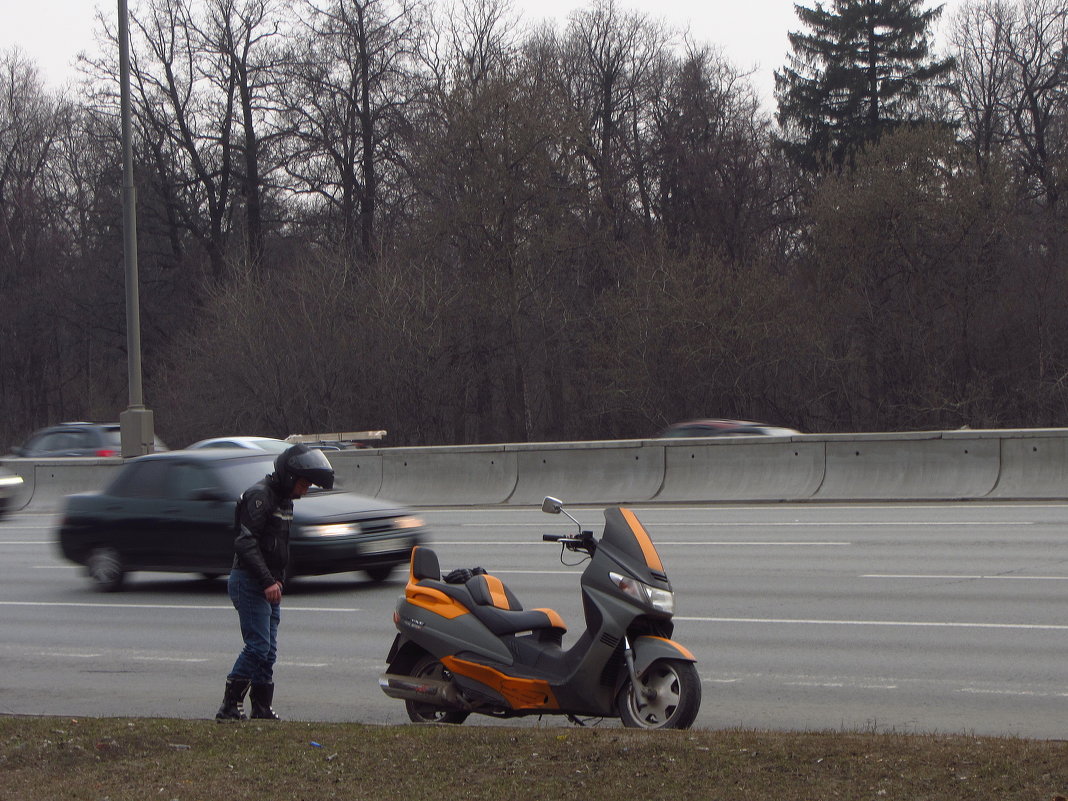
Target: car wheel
[(380, 573), (105, 569)]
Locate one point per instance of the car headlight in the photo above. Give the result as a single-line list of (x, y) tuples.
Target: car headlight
[(332, 530), (408, 521), (660, 600), (10, 481)]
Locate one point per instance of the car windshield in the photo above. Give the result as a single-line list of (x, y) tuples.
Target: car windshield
[(271, 445), (237, 475)]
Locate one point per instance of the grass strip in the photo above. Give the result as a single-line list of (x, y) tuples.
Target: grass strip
[(120, 759)]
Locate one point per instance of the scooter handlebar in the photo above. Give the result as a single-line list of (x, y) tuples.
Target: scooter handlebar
[(552, 537)]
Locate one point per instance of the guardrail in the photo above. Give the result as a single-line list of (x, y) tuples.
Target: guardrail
[(1024, 464)]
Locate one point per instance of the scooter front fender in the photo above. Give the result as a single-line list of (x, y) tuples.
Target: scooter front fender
[(648, 648)]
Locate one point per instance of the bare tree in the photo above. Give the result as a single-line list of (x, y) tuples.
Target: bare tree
[(1013, 85), (612, 63), (202, 77), (720, 185), (982, 81), (348, 103)]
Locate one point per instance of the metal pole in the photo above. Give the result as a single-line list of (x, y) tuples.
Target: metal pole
[(136, 422)]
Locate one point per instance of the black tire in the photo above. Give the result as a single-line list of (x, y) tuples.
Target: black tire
[(428, 667), (105, 569), (675, 700), (380, 573)]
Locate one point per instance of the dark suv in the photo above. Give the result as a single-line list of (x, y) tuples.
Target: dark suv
[(76, 439)]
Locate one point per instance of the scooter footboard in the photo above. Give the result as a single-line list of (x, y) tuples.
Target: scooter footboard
[(648, 648)]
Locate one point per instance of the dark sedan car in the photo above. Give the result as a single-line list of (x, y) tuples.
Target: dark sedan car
[(174, 512)]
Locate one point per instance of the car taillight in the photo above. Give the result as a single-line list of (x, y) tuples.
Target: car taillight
[(106, 452)]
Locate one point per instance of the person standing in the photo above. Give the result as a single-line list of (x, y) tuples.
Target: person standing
[(261, 555)]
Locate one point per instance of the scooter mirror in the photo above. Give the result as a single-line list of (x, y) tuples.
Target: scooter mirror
[(551, 505)]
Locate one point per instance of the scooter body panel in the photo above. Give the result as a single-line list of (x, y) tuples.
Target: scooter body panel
[(441, 636)]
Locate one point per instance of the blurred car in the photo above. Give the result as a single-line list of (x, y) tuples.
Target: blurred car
[(269, 444), (10, 484), (724, 428), (174, 512), (76, 439)]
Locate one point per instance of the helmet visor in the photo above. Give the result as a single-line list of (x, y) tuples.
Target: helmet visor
[(312, 465)]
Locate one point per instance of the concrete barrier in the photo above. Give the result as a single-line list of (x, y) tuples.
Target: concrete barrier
[(442, 476), (55, 479), (625, 471), (916, 466), (358, 471), (742, 469), (1009, 464), (1034, 465)]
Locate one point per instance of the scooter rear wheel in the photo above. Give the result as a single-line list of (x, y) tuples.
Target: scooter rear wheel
[(427, 667), (669, 698)]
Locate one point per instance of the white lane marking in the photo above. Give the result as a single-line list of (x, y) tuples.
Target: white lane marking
[(27, 542), (759, 544), (776, 524), (961, 576), (672, 544), (164, 659), (1028, 693), (63, 655), (899, 623), (175, 607), (304, 664), (832, 684)]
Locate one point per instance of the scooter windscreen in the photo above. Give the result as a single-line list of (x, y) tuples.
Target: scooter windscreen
[(626, 536)]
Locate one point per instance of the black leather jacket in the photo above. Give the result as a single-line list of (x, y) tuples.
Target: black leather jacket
[(262, 521)]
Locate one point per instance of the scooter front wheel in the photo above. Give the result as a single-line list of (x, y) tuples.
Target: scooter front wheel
[(427, 667), (668, 698)]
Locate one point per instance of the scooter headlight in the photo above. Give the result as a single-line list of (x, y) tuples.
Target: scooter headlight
[(660, 600)]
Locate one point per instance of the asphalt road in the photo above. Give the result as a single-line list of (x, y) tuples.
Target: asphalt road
[(884, 617)]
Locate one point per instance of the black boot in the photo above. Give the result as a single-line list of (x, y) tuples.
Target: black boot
[(233, 705), (261, 696)]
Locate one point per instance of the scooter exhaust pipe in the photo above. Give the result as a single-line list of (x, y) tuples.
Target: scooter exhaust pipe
[(427, 691)]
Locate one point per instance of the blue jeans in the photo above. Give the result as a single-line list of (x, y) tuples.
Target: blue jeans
[(259, 628)]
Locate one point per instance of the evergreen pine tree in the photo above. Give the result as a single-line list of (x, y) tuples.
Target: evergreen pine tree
[(857, 73)]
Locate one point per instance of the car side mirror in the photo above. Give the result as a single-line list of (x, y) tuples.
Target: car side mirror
[(552, 506)]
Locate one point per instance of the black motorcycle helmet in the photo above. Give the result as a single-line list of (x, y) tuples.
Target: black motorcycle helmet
[(300, 461)]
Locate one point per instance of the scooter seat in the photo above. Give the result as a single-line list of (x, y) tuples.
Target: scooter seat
[(500, 611), (489, 590)]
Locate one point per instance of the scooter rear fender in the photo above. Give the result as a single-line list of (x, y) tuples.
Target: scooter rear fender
[(648, 648)]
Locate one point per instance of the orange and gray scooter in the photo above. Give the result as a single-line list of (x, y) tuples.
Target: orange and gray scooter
[(467, 645)]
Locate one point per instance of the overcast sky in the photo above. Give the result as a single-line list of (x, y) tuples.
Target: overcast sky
[(751, 33)]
